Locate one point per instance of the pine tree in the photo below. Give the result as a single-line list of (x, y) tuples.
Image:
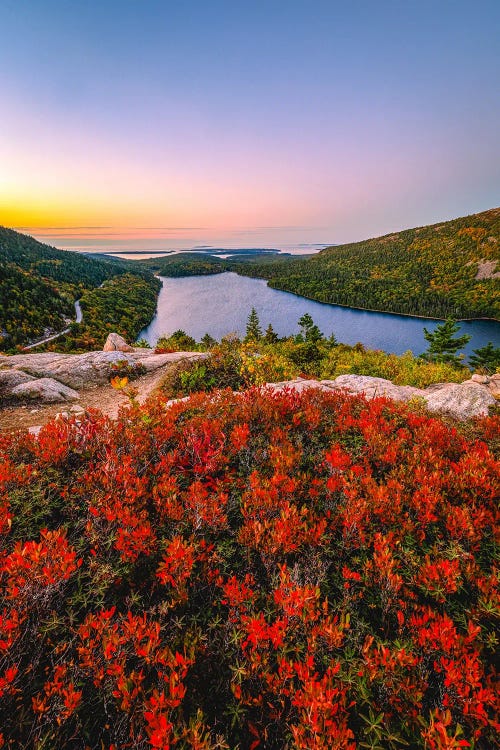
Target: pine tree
[(254, 331), (208, 341), (270, 336), (486, 359), (309, 330), (442, 346)]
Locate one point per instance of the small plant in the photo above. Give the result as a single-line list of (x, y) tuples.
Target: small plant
[(124, 368), (142, 344), (197, 379), (270, 336), (178, 341)]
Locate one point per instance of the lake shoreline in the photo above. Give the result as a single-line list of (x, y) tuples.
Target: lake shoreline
[(330, 304), (222, 302)]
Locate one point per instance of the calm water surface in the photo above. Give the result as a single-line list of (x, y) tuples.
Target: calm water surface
[(221, 303)]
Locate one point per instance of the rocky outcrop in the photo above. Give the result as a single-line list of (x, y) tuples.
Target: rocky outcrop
[(492, 382), (116, 343), (372, 387), (9, 379), (47, 390), (459, 400), (89, 369), (75, 371), (51, 377)]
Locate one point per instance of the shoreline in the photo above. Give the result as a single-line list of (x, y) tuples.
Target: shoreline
[(373, 309), (349, 307)]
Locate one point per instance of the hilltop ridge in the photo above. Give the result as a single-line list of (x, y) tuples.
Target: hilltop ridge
[(449, 269)]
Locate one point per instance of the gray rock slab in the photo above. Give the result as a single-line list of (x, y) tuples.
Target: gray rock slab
[(460, 400), (372, 387), (91, 368), (46, 390), (9, 379)]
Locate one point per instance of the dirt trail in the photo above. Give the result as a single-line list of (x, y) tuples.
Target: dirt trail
[(104, 398)]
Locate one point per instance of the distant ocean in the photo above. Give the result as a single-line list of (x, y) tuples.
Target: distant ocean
[(141, 248)]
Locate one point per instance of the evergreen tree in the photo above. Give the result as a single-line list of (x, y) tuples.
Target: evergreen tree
[(487, 358), (270, 336), (208, 341), (442, 346), (254, 331), (309, 331)]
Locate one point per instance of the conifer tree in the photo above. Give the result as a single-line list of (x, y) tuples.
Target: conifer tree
[(254, 331), (309, 330), (443, 347), (486, 359), (208, 341), (270, 336)]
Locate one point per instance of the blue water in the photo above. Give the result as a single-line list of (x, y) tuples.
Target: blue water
[(221, 303)]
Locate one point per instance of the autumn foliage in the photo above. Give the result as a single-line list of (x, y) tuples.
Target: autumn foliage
[(303, 571)]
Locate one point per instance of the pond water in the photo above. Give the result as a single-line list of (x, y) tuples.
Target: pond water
[(221, 303)]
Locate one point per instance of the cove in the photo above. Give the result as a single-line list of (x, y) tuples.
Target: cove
[(220, 304)]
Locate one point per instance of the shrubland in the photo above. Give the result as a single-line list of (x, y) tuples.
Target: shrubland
[(255, 570)]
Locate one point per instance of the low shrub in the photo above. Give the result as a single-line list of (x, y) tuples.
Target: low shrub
[(255, 570), (124, 368)]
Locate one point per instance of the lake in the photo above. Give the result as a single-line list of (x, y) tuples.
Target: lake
[(221, 303)]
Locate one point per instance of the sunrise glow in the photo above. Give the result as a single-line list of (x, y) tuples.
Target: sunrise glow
[(235, 124)]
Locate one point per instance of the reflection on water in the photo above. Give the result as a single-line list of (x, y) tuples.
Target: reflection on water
[(221, 303)]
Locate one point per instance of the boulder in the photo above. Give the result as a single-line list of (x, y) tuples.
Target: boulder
[(459, 400), (476, 378), (10, 379), (46, 390), (372, 387), (116, 343), (492, 382)]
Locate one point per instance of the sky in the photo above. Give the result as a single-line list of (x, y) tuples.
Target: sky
[(151, 124)]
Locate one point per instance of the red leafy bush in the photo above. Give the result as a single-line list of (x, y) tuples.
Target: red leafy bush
[(308, 571)]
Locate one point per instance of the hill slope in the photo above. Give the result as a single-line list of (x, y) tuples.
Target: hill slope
[(39, 284), (447, 269)]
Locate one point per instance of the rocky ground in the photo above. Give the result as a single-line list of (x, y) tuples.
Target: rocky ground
[(34, 388), (102, 397)]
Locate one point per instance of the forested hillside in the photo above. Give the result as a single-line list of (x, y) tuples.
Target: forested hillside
[(184, 264), (124, 305), (445, 270), (39, 284)]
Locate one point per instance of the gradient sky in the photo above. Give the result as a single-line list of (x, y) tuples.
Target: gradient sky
[(146, 123)]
